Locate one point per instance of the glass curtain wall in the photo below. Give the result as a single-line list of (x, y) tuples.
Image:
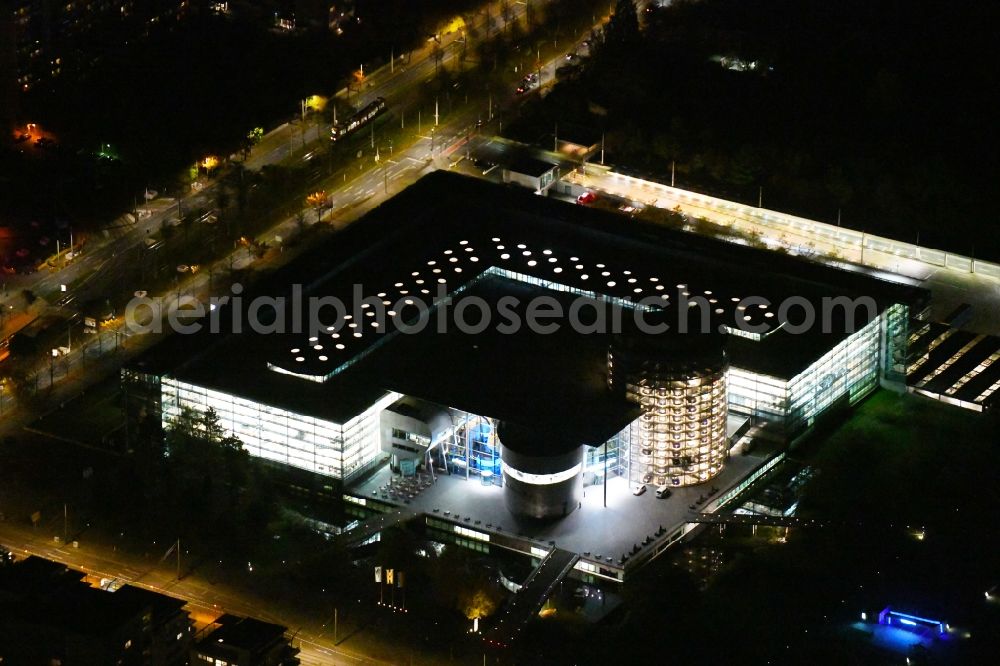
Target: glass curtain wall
[(282, 436)]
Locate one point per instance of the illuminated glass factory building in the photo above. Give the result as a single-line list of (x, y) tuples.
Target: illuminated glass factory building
[(584, 405)]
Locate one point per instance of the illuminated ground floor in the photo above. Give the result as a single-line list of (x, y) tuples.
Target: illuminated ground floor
[(613, 530)]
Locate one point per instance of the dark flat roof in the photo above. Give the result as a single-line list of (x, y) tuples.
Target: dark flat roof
[(531, 166), (554, 383), (455, 228), (245, 633)]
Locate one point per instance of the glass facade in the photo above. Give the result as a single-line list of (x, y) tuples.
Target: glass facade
[(896, 318), (847, 373), (680, 439), (609, 460), (472, 447), (341, 451)]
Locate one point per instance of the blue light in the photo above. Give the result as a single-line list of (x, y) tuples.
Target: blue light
[(908, 620), (913, 617)]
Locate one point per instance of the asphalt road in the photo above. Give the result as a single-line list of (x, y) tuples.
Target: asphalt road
[(313, 636), (435, 149), (949, 287), (391, 82)]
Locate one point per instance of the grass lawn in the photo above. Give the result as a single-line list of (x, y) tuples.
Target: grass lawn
[(905, 458)]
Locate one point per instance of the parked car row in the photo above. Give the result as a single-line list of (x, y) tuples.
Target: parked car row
[(662, 492)]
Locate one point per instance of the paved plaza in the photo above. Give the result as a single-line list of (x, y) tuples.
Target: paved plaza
[(592, 530)]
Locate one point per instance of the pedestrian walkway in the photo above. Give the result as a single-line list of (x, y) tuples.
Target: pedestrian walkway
[(372, 525), (536, 590)]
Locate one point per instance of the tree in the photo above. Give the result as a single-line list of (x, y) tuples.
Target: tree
[(210, 426), (623, 28), (191, 432)]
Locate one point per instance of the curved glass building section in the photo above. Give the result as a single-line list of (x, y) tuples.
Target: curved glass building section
[(679, 381), (542, 477)]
